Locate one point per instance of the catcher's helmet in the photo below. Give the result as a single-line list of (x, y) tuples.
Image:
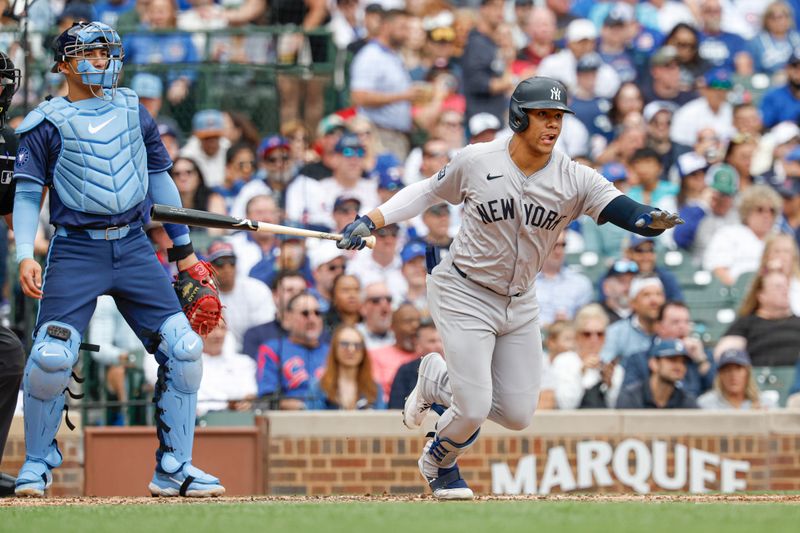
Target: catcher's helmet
[(9, 80), (536, 93)]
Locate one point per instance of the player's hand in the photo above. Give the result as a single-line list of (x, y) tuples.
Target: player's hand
[(355, 232), (30, 278), (658, 219)]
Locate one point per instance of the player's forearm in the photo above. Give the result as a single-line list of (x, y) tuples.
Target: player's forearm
[(163, 191), (27, 201), (622, 211), (407, 203)]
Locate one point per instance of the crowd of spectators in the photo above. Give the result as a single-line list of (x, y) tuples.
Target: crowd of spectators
[(691, 106)]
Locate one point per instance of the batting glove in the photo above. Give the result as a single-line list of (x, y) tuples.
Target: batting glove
[(658, 219), (355, 232)]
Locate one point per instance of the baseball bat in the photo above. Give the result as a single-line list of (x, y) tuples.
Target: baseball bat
[(196, 217)]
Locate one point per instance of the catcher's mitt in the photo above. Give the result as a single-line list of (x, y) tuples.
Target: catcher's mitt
[(197, 292)]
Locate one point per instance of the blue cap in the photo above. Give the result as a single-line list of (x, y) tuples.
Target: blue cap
[(166, 129), (270, 143), (77, 11), (147, 85), (341, 200), (208, 123), (719, 78), (589, 62), (348, 141), (793, 155), (790, 188), (412, 250), (390, 178), (614, 172), (733, 356), (638, 240), (668, 348), (218, 250)]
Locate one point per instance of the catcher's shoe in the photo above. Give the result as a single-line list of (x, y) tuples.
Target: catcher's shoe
[(188, 481), (33, 479), (445, 483), (418, 401)]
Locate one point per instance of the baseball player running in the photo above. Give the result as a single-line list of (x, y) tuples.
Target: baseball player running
[(518, 195), (100, 154), (12, 357)]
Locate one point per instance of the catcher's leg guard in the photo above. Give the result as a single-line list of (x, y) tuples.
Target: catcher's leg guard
[(47, 373), (438, 466), (179, 374)]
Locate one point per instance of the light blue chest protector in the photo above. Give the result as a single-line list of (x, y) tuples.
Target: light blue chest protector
[(102, 168)]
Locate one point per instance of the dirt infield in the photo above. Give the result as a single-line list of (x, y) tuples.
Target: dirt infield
[(594, 498)]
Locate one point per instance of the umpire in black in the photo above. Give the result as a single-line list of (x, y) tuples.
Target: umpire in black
[(12, 357)]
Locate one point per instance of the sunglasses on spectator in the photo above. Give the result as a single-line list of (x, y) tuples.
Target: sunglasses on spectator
[(439, 210), (765, 209), (625, 267), (346, 209), (189, 172), (586, 334), (278, 158), (685, 44), (386, 232), (247, 164), (308, 312), (645, 249), (378, 299), (353, 152), (348, 345)]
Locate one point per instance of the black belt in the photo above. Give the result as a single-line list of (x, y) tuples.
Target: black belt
[(464, 275)]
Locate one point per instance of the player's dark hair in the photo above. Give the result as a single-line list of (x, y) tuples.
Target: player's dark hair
[(234, 150), (201, 194), (282, 275), (670, 303), (293, 299)]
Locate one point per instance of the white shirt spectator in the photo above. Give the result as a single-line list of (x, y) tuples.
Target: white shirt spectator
[(109, 330), (574, 138), (671, 13), (734, 247), (249, 304), (697, 115), (212, 167), (368, 271), (226, 377), (571, 381), (365, 191), (251, 189), (563, 67), (247, 252)]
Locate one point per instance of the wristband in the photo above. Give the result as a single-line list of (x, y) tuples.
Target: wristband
[(176, 253)]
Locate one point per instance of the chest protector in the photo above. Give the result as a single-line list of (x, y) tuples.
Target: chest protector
[(102, 168)]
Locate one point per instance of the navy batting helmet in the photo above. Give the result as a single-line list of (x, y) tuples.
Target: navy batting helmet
[(536, 93)]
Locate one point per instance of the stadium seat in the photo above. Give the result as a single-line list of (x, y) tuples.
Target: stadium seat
[(775, 378)]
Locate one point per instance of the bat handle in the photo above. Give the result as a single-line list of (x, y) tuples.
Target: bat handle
[(370, 241)]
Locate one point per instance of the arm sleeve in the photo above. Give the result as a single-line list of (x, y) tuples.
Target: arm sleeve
[(163, 191), (158, 159), (409, 202), (27, 202), (623, 212)]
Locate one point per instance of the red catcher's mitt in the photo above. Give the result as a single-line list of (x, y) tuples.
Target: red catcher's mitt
[(197, 292)]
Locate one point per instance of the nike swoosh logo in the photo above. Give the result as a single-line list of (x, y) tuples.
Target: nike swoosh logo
[(490, 177), (194, 343), (95, 129)]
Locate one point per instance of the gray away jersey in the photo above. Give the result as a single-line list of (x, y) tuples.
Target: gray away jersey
[(511, 221)]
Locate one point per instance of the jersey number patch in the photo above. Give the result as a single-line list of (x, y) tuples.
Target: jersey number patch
[(441, 173)]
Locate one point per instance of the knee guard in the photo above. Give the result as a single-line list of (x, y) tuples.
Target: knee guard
[(444, 451), (179, 375), (47, 373)]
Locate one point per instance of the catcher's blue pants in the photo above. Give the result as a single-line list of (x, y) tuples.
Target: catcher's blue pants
[(79, 269)]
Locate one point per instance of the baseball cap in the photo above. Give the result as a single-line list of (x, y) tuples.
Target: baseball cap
[(719, 78), (147, 85), (664, 56), (208, 123), (481, 122), (723, 178), (622, 266), (323, 253), (734, 356), (637, 240), (341, 200), (412, 250), (389, 178), (166, 129), (789, 188), (439, 209), (220, 250), (589, 62), (614, 172), (330, 124), (77, 11), (580, 29), (640, 284), (349, 143), (690, 162), (668, 348), (655, 107), (270, 143), (619, 14)]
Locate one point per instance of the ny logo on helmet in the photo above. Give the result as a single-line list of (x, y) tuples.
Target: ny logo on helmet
[(555, 93)]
